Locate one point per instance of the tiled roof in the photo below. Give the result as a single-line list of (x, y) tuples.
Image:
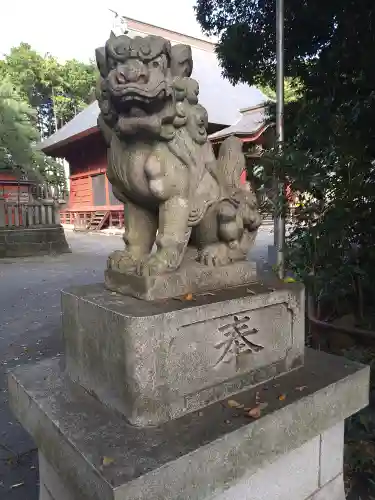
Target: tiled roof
[(250, 122)]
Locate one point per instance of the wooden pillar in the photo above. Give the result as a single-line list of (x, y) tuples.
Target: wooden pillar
[(106, 183), (2, 212), (91, 191)]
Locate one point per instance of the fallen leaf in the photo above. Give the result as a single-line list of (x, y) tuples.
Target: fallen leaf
[(261, 406), (254, 412), (282, 397), (107, 461), (17, 485), (187, 297), (301, 388), (232, 403)]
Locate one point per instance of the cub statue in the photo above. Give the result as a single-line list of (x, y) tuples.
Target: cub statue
[(161, 164)]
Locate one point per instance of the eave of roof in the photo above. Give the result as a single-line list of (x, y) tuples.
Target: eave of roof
[(245, 137), (252, 122), (81, 125)]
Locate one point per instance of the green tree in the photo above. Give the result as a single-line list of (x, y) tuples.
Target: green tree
[(18, 137), (330, 149), (293, 90), (56, 91), (72, 89)]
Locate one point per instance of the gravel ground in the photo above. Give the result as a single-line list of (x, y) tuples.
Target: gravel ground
[(30, 330)]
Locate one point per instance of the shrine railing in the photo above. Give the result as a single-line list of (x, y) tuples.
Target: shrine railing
[(35, 213), (42, 208)]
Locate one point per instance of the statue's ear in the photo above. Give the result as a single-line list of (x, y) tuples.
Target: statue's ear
[(101, 62), (181, 60)]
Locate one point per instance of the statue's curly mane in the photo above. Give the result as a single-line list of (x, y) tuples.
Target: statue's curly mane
[(177, 108)]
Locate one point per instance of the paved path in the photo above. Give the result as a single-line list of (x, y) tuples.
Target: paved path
[(30, 330)]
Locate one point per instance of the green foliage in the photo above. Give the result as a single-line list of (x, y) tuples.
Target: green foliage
[(56, 91), (293, 90), (330, 149), (18, 136)]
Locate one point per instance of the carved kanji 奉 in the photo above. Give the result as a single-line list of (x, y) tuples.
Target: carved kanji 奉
[(236, 341)]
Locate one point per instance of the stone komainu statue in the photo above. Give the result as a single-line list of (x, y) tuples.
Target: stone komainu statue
[(161, 165)]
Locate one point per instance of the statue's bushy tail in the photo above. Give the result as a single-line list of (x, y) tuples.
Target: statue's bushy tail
[(231, 162)]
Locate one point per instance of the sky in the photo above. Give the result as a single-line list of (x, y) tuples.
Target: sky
[(71, 29)]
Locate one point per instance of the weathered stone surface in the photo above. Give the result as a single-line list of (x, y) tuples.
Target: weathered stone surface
[(334, 490), (154, 361), (39, 240), (51, 486), (191, 277), (293, 476), (332, 446), (161, 165), (44, 494), (198, 456)]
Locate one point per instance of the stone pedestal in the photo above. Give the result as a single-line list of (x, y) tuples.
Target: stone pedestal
[(155, 399), (191, 277), (32, 241), (155, 361), (293, 451)]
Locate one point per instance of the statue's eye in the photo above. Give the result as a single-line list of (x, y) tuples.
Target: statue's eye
[(156, 64)]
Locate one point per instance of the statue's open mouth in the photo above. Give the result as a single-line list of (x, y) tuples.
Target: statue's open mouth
[(129, 97), (141, 93)]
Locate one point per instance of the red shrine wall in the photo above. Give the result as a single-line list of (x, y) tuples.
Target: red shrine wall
[(11, 190), (89, 186)]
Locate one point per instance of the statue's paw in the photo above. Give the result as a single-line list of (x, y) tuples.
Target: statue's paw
[(217, 254), (236, 252), (155, 264), (121, 261), (161, 261)]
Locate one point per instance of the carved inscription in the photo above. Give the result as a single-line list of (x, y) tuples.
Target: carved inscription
[(236, 342)]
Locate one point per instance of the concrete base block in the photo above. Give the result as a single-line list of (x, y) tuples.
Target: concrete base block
[(30, 241), (51, 487), (155, 361), (44, 494), (294, 476), (215, 454), (334, 490)]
